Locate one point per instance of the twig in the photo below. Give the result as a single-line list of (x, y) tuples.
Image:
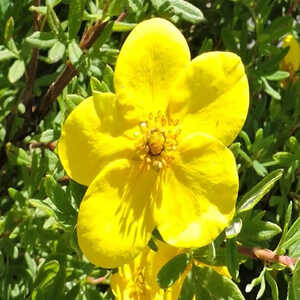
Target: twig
[(87, 40), (96, 281), (121, 16), (268, 256)]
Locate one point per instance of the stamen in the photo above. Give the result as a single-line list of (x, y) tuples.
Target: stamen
[(157, 141)]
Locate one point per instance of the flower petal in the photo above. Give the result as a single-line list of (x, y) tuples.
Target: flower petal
[(138, 279), (198, 194), (291, 62), (115, 217), (151, 58), (85, 145), (212, 96)]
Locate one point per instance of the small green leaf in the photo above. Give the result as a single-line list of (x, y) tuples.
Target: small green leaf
[(75, 52), (16, 71), (294, 287), (172, 270), (9, 29), (211, 285), (259, 168), (228, 39), (232, 259), (187, 290), (46, 273), (116, 7), (278, 75), (59, 202), (108, 77), (6, 55), (252, 197), (255, 230), (53, 20), (42, 10), (76, 8), (97, 86), (17, 156), (234, 229), (273, 285), (39, 204), (123, 26), (256, 281), (56, 52), (135, 5), (187, 11), (41, 40), (269, 90)]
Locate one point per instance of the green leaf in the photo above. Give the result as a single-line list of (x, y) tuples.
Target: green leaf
[(187, 290), (46, 273), (273, 285), (232, 259), (252, 197), (44, 207), (228, 39), (6, 55), (294, 287), (211, 285), (9, 29), (292, 240), (123, 26), (259, 168), (187, 11), (116, 7), (255, 230), (53, 20), (31, 264), (269, 90), (97, 86), (75, 52), (17, 156), (172, 270), (41, 40), (256, 281), (72, 100), (278, 75), (42, 10), (47, 136), (76, 8), (16, 71), (135, 5), (59, 202), (108, 77), (234, 229), (56, 52)]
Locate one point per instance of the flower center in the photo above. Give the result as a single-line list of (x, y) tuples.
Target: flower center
[(157, 141)]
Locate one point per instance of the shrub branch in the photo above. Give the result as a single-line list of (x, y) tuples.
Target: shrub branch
[(267, 255)]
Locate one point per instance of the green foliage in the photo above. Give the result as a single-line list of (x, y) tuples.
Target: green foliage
[(39, 255)]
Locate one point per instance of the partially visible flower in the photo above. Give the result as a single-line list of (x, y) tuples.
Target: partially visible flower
[(291, 62), (138, 279), (154, 153)]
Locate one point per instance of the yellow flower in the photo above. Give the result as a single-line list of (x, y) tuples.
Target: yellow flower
[(138, 279), (154, 153), (291, 62)]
